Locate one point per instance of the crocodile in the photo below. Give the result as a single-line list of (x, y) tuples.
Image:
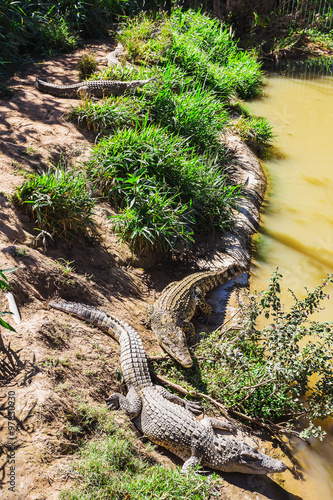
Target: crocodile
[(166, 419), (96, 88), (170, 315)]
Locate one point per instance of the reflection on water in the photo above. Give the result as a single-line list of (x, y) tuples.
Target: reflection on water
[(297, 233)]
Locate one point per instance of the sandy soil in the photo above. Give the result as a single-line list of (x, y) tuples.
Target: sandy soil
[(51, 355)]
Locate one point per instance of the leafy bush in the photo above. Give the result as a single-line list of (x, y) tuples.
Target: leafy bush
[(60, 201), (279, 373), (50, 25)]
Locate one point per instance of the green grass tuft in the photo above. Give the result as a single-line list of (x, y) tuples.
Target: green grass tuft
[(87, 66), (110, 466), (165, 165), (59, 201)]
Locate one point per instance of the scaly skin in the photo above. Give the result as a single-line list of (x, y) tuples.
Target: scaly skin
[(96, 88), (166, 419), (170, 316)]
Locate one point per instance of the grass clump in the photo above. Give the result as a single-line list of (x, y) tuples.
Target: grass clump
[(87, 66), (111, 466), (59, 201), (192, 112), (109, 114), (201, 46), (281, 372), (255, 130), (147, 40), (168, 167)]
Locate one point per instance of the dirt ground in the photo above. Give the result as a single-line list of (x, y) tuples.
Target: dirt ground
[(52, 356)]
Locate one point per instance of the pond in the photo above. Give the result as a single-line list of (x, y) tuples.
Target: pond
[(297, 222)]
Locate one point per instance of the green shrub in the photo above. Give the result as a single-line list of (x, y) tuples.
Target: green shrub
[(59, 201), (201, 46), (281, 372), (28, 27)]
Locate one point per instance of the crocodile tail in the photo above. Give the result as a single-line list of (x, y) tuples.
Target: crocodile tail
[(134, 362), (97, 317)]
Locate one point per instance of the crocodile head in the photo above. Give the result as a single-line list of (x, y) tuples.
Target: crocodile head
[(237, 456), (171, 338)]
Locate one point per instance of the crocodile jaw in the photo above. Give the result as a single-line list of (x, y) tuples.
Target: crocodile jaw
[(240, 457), (172, 339)]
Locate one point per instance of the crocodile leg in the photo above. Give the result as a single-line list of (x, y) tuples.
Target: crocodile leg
[(131, 404), (84, 92), (201, 440), (190, 464), (189, 330), (220, 424), (201, 303), (189, 405)]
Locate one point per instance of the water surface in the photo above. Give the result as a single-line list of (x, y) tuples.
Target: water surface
[(297, 232)]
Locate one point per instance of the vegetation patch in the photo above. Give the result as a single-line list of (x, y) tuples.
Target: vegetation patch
[(87, 65), (51, 27), (281, 373), (59, 201), (150, 172), (110, 465)]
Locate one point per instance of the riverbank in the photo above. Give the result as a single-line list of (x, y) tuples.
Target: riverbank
[(68, 367)]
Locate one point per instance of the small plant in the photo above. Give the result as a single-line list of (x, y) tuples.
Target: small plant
[(32, 152), (5, 92), (60, 202), (255, 130), (65, 266), (21, 252), (87, 66)]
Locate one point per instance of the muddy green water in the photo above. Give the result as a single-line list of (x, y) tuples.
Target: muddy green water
[(297, 223)]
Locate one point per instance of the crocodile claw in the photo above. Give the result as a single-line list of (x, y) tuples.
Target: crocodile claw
[(193, 407), (112, 402)]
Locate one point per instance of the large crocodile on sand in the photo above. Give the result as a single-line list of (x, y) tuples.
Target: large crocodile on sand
[(89, 88), (170, 316), (166, 419)]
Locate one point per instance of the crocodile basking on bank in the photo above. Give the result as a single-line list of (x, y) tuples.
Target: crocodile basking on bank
[(166, 419), (170, 316), (89, 88)]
